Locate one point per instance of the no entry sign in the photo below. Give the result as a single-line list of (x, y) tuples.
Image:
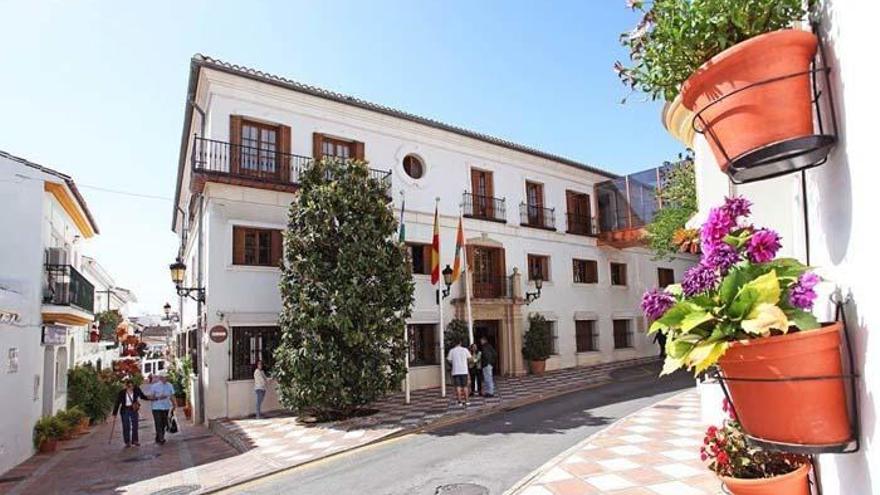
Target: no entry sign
[(218, 333)]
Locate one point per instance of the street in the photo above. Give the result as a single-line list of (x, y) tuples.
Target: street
[(493, 452)]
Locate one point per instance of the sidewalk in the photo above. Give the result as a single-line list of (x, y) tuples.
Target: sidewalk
[(652, 452), (197, 461)]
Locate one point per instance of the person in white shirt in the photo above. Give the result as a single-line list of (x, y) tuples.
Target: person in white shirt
[(459, 357), (259, 386)]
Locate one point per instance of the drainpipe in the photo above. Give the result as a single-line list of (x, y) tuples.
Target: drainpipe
[(200, 412)]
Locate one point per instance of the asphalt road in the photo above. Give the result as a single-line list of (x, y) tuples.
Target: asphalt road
[(493, 452)]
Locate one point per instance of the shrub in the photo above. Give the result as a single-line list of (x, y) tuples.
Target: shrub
[(71, 416), (91, 392), (107, 322), (48, 428), (456, 330), (675, 37), (179, 377), (538, 339)]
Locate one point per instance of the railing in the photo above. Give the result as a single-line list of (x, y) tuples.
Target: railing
[(491, 287), (484, 207), (67, 287), (580, 224), (246, 162), (537, 216)]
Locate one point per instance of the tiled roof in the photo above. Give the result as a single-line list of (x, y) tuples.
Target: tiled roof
[(198, 61), (66, 178)]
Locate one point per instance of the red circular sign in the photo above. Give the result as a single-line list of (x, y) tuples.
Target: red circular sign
[(218, 333)]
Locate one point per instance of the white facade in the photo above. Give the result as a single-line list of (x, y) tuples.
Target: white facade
[(840, 199), (40, 206), (242, 296)]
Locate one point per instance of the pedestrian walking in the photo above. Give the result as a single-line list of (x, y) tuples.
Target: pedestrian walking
[(489, 358), (259, 386), (128, 404), (160, 393), (459, 357), (476, 369)]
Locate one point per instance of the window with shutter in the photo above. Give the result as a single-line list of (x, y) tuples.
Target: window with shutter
[(622, 334), (618, 273), (665, 277), (586, 337), (585, 271), (420, 257), (256, 247), (539, 267)]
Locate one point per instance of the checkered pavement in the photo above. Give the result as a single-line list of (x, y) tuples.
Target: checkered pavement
[(654, 451)]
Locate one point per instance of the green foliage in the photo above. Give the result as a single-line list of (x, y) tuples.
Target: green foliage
[(91, 391), (107, 322), (346, 292), (677, 193), (49, 428), (179, 376), (456, 330), (71, 416), (538, 339), (675, 37)]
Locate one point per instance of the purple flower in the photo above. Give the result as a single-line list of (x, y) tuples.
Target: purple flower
[(737, 206), (716, 227), (801, 295), (698, 279), (656, 302), (720, 257), (763, 246)]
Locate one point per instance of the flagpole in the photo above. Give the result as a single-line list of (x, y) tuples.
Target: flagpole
[(402, 238), (467, 282), (440, 306)]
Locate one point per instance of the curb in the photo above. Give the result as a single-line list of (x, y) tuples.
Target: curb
[(440, 423)]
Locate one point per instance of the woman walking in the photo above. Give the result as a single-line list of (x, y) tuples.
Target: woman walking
[(259, 386), (476, 370), (128, 403)]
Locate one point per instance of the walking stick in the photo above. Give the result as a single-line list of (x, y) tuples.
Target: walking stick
[(112, 427)]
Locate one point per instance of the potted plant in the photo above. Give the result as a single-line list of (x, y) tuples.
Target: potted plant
[(537, 344), (748, 311), (74, 419), (746, 470), (47, 431), (703, 49)]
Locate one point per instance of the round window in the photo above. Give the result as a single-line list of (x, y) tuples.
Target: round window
[(413, 166)]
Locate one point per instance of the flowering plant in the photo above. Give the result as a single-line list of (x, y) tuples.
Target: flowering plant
[(738, 291), (730, 455)]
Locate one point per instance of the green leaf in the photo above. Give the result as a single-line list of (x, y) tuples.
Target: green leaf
[(705, 355), (764, 289), (803, 319), (670, 365), (695, 319), (731, 285), (672, 317)]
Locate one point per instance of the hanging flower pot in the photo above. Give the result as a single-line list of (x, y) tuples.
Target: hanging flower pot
[(793, 483), (778, 105), (786, 409)]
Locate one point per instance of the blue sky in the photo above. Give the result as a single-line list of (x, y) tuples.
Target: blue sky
[(96, 89)]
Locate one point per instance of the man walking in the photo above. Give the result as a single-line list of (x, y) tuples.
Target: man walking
[(161, 393), (459, 357), (489, 359)]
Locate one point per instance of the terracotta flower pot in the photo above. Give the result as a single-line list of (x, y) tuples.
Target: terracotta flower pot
[(807, 412), (537, 367), (188, 411), (49, 445), (83, 426), (793, 483), (763, 114)]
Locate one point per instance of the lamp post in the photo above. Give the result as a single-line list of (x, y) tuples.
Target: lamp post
[(178, 273), (531, 296), (447, 281)]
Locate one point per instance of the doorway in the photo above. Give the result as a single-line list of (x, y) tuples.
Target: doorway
[(490, 330)]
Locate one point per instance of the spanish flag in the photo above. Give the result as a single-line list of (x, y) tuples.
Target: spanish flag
[(459, 245), (435, 249)]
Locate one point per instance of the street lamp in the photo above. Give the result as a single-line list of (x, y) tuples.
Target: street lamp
[(174, 317), (447, 280), (178, 272), (531, 296)]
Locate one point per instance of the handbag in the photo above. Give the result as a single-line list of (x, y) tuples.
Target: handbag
[(172, 424)]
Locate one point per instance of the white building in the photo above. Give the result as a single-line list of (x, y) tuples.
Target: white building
[(528, 213), (840, 232), (46, 304)]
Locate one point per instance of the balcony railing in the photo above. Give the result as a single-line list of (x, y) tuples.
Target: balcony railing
[(537, 216), (484, 207), (261, 165), (580, 225), (67, 287), (491, 287)]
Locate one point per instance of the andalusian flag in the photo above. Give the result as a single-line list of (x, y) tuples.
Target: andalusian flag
[(435, 249), (459, 245), (401, 234)]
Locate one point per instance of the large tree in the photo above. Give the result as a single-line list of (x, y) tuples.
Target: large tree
[(346, 290)]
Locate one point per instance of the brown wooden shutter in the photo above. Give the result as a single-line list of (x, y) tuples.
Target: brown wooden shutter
[(238, 245), (470, 257), (358, 149), (234, 143), (284, 147), (475, 181), (317, 141), (276, 247), (426, 258)]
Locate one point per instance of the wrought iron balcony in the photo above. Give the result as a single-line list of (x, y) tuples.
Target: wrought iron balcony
[(223, 159), (67, 287), (537, 216), (484, 207), (491, 286), (580, 225)]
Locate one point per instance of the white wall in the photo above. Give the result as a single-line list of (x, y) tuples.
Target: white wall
[(842, 198)]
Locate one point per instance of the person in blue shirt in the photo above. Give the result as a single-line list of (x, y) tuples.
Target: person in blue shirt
[(161, 393)]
